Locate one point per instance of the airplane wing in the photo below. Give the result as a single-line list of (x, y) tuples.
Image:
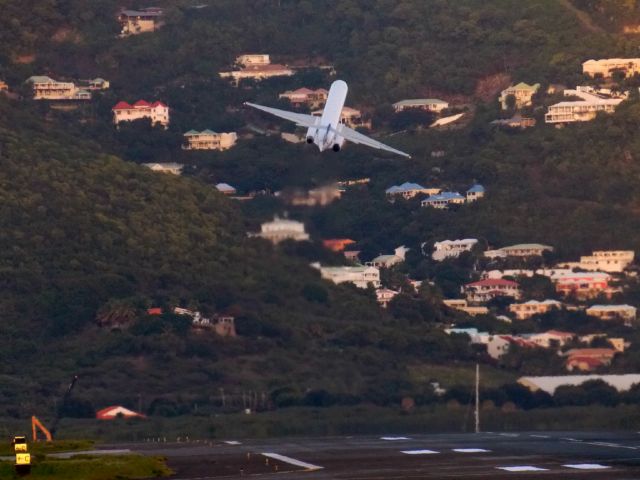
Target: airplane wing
[(356, 137), (301, 119)]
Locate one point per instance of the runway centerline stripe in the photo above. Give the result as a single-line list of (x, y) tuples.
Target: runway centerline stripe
[(587, 466), (292, 461), (394, 438), (419, 452), (232, 442), (522, 468), (470, 450)]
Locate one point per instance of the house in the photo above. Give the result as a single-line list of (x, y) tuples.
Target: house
[(606, 67), (320, 196), (337, 244), (384, 296), (350, 117), (154, 311), (485, 290), (3, 86), (519, 272), (429, 104), (528, 309), (551, 338), (98, 84), (117, 411), (589, 359), (388, 261), (613, 312), (223, 326), (523, 250), (171, 167), (352, 255), (209, 140), (156, 112), (249, 59), (517, 121), (46, 88), (452, 248), (409, 190), (226, 189), (582, 110), (611, 261), (360, 276), (522, 92), (258, 72), (549, 384), (475, 192), (443, 200), (583, 284), (498, 345), (305, 96), (134, 22), (462, 305), (280, 229)]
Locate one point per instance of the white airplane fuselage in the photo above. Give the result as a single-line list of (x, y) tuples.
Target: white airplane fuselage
[(325, 135)]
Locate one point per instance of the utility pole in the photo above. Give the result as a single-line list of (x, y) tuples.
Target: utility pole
[(477, 398)]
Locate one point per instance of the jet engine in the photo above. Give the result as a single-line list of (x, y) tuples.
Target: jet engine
[(336, 147), (309, 140)]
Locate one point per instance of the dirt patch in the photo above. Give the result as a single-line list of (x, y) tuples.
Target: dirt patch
[(488, 87)]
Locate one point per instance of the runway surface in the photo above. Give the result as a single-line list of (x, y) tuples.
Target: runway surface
[(484, 456)]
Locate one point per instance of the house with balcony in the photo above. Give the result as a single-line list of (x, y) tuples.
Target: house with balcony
[(281, 229), (385, 295), (209, 140), (429, 104), (522, 250), (46, 88), (443, 200), (583, 285), (627, 313), (360, 276), (606, 67), (526, 310), (409, 190), (485, 290), (135, 22), (584, 109), (156, 112), (522, 92), (306, 96), (452, 248), (463, 306)]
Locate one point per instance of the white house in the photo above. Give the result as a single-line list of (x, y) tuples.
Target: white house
[(388, 261), (605, 67), (281, 229), (485, 290), (462, 305), (360, 276), (612, 261), (46, 88), (475, 193), (443, 200), (429, 104), (522, 93), (385, 295), (156, 112), (409, 190), (171, 167), (209, 140), (582, 110), (452, 248), (253, 59), (519, 250)]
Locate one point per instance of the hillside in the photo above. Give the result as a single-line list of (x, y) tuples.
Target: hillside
[(89, 234)]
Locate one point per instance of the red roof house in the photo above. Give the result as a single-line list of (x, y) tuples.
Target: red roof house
[(111, 413)]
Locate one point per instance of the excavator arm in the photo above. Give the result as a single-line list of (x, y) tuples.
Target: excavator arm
[(37, 424)]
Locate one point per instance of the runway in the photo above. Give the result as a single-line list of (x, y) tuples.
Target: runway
[(484, 456)]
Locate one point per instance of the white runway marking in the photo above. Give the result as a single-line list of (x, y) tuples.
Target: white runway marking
[(509, 434), (292, 461), (587, 466), (233, 442), (522, 468), (394, 438), (539, 436), (419, 452), (470, 450), (612, 445)]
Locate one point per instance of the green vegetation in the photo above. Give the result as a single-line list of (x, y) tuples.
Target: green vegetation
[(88, 467)]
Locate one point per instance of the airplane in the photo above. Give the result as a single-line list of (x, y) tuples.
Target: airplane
[(326, 131)]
